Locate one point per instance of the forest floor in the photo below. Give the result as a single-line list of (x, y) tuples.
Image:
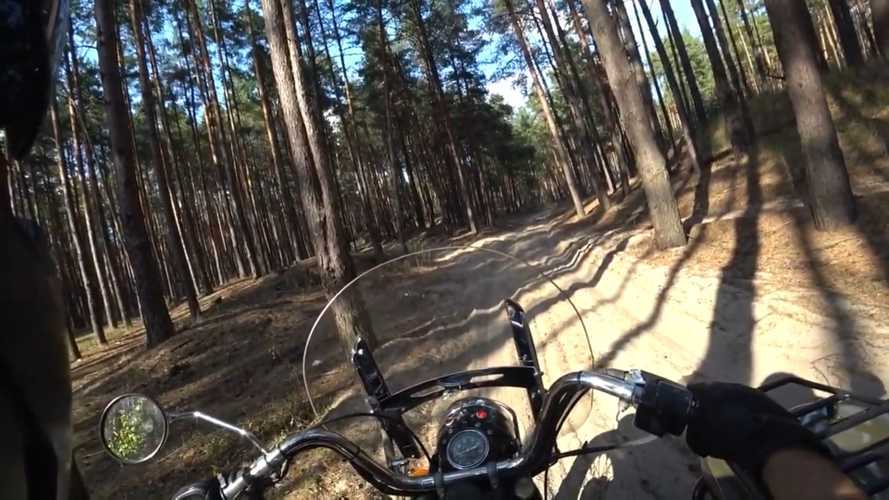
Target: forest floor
[(756, 292)]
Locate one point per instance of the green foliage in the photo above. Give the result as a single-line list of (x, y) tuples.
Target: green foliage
[(127, 439), (700, 63)]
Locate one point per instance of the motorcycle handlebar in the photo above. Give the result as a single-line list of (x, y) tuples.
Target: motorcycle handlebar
[(662, 407)]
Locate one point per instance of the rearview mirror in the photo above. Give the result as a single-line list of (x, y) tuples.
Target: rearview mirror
[(133, 428)]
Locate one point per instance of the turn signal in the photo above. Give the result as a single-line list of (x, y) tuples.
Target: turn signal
[(418, 470)]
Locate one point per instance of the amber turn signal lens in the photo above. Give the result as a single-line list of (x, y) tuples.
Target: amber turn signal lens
[(418, 470)]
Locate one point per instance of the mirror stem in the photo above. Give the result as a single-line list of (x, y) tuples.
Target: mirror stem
[(249, 436)]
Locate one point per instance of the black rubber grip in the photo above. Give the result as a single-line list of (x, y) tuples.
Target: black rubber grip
[(664, 407)]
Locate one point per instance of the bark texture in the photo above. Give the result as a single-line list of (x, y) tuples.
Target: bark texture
[(827, 182), (156, 318), (880, 12), (662, 207)]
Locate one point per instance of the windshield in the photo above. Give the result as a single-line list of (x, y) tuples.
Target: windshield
[(433, 313)]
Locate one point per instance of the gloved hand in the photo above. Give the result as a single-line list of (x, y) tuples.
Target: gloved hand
[(743, 425)]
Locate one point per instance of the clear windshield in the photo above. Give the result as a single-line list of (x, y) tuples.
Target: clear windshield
[(434, 313)]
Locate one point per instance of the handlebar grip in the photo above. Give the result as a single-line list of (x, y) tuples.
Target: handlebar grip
[(663, 406), (208, 489)]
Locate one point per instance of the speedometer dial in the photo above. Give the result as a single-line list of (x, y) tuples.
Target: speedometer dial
[(467, 449)]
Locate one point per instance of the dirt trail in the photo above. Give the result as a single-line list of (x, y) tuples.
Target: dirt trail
[(756, 292), (673, 313), (677, 316)]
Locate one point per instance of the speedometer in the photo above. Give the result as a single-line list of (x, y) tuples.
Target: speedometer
[(467, 449)]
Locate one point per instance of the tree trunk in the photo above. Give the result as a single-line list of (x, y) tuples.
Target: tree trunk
[(319, 200), (582, 114), (826, 35), (846, 30), (158, 326), (173, 235), (745, 80), (444, 112), (559, 147), (662, 207), (389, 132), (86, 271), (621, 157), (92, 236), (685, 62), (880, 12), (680, 77), (356, 142), (568, 139), (830, 195), (737, 81), (246, 203), (759, 56), (56, 236), (219, 142), (196, 259), (211, 210), (729, 101), (654, 80), (290, 216), (687, 134), (625, 30), (115, 253), (808, 32)]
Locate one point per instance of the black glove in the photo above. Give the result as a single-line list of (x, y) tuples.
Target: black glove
[(743, 425)]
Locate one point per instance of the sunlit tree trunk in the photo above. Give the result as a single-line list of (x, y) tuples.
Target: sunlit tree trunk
[(687, 134), (847, 33), (174, 238), (444, 113), (729, 100), (559, 147), (156, 318), (194, 252), (737, 80), (289, 204), (662, 207), (310, 159), (625, 31), (89, 198), (801, 11), (581, 112), (685, 61), (87, 275), (654, 80), (742, 73), (389, 132), (220, 146), (621, 156), (354, 140)]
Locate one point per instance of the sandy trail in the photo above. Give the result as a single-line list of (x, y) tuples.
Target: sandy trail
[(644, 309), (678, 323)]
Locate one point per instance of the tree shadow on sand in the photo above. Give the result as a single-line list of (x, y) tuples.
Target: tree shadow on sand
[(699, 212), (729, 351), (844, 328), (658, 468)]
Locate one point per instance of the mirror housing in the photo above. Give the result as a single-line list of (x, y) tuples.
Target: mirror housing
[(133, 428)]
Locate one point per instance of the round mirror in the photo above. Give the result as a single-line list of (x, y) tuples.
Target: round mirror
[(133, 428)]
